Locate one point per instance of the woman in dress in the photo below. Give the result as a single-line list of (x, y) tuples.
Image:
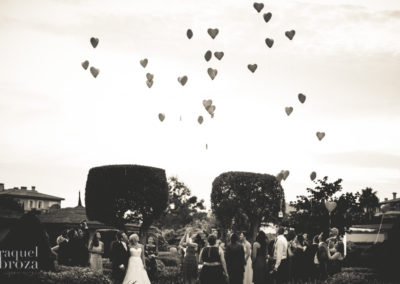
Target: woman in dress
[(151, 253), (214, 269), (248, 270), (336, 258), (190, 266), (259, 258), (96, 250), (136, 272)]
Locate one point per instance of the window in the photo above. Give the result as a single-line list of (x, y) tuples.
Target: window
[(30, 203), (40, 204)]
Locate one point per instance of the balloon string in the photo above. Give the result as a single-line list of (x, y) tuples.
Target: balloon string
[(380, 226)]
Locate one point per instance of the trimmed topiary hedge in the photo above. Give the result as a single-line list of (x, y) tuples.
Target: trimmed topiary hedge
[(113, 190), (62, 275)]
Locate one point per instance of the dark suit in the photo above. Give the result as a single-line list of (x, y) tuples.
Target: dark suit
[(235, 263), (119, 255)]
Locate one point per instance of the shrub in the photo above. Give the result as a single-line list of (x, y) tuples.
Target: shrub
[(170, 275), (111, 191), (62, 275), (170, 259)]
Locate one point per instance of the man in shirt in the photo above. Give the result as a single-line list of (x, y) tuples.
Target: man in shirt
[(281, 257)]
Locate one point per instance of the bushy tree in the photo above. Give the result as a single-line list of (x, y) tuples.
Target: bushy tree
[(311, 215), (369, 202), (243, 200), (183, 208), (352, 208), (8, 203), (118, 194)]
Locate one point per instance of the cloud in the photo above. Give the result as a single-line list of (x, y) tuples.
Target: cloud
[(364, 159)]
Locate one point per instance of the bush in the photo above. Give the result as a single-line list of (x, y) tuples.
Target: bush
[(355, 276), (113, 190), (170, 259), (62, 275), (171, 275)]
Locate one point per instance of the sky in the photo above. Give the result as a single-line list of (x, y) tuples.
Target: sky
[(57, 121)]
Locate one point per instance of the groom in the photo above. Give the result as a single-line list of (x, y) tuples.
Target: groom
[(119, 257)]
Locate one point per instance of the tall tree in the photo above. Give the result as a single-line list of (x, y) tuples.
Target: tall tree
[(118, 194), (311, 214), (244, 200), (183, 207), (369, 202)]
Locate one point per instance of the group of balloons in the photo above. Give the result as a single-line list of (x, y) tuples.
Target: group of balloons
[(212, 73), (85, 64)]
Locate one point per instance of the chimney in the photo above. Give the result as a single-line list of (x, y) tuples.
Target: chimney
[(1, 186), (24, 188), (394, 195), (33, 188), (386, 199)]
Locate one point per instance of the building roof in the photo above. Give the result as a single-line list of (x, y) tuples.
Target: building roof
[(25, 193), (397, 200), (69, 215)]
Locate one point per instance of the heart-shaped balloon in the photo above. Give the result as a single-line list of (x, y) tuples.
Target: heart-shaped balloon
[(94, 71), (211, 109), (94, 41), (252, 67), (212, 73), (269, 42), (213, 32), (258, 6), (302, 98), (320, 135), (290, 34), (330, 206), (313, 175), (219, 54), (288, 110), (189, 33), (161, 117), (208, 55), (285, 174), (183, 80), (144, 62), (85, 64), (200, 119), (149, 83), (207, 103), (267, 17), (149, 76), (279, 176)]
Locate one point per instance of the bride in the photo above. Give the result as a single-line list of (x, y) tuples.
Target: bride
[(136, 272)]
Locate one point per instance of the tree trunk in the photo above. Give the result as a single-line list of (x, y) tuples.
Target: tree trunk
[(144, 228), (254, 229)]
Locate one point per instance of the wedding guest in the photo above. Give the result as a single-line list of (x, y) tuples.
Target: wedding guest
[(214, 269), (248, 270), (281, 257), (151, 252), (336, 259), (190, 265), (83, 251), (259, 259), (96, 250), (186, 240), (235, 261), (298, 258), (309, 259), (323, 256)]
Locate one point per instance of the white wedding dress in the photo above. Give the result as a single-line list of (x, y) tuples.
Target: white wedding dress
[(136, 274)]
